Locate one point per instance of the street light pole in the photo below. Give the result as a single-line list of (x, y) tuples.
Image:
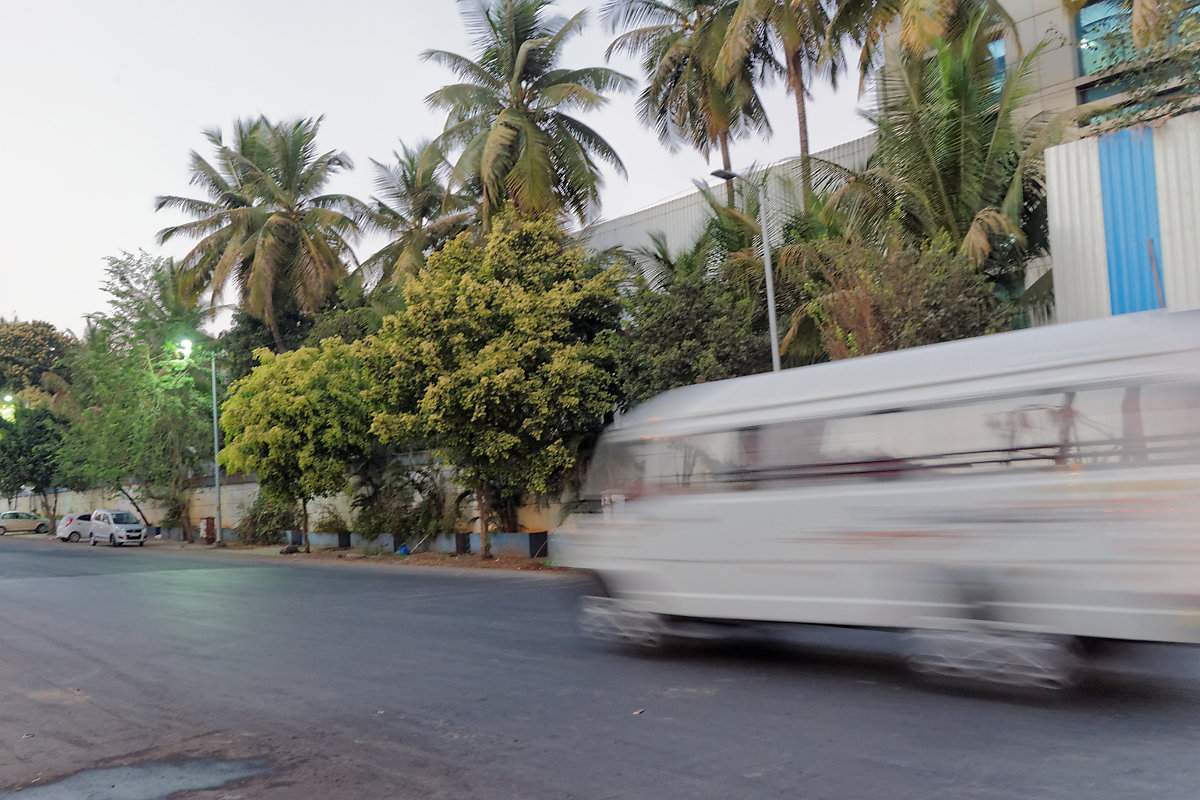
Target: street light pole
[(763, 222), (212, 362), (186, 346)]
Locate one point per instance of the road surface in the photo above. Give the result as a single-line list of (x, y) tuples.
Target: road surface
[(354, 681)]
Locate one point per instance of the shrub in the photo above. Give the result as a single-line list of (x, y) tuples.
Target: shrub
[(331, 521), (412, 505), (266, 521)]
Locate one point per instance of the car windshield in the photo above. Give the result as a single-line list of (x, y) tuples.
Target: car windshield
[(124, 518)]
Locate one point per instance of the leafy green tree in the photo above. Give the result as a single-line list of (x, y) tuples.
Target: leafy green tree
[(510, 119), (30, 454), (266, 224), (151, 301), (415, 210), (246, 335), (28, 350), (298, 420), (139, 410), (502, 360), (694, 331), (356, 313), (683, 100)]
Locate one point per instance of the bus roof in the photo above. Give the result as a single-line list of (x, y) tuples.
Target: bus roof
[(1143, 344)]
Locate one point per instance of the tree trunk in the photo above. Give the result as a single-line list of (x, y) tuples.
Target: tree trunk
[(186, 517), (728, 167), (135, 505), (304, 524), (46, 506), (484, 496), (796, 84)]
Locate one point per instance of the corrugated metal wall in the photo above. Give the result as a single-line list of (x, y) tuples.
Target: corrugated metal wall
[(1112, 201), (1130, 197), (1177, 170), (1077, 242), (680, 220)]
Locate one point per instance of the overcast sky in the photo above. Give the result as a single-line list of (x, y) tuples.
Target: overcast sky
[(104, 101)]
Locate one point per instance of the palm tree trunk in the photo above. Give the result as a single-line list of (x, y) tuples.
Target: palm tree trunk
[(280, 347), (795, 69), (727, 165)]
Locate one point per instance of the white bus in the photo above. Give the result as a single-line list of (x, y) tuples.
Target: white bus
[(1002, 499)]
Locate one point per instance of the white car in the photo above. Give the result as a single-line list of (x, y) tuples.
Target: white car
[(104, 525)]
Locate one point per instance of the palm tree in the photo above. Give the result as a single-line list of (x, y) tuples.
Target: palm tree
[(415, 209), (265, 226), (867, 22), (799, 28), (683, 101), (510, 117), (953, 156)]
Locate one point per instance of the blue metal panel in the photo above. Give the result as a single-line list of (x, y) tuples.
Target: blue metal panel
[(1130, 199)]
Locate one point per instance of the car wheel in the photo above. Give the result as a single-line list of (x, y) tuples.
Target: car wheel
[(3, 530), (42, 529), (92, 539), (112, 540), (73, 536), (141, 544)]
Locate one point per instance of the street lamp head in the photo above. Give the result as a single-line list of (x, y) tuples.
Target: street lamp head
[(725, 174)]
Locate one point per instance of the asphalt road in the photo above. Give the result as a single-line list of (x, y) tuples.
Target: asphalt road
[(352, 681)]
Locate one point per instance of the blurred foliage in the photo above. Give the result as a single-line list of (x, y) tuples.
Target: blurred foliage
[(265, 522), (246, 335), (1158, 74), (330, 521), (870, 299), (28, 350)]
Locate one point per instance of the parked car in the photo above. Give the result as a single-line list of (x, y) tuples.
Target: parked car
[(104, 525), (73, 527), (22, 521)]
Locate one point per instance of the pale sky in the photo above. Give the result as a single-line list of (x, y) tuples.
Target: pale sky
[(105, 99)]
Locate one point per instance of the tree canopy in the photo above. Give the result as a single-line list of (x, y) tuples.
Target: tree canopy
[(502, 359), (266, 224), (30, 454), (298, 419), (511, 117), (28, 350)]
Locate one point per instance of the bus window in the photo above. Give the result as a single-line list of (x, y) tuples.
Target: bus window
[(779, 450)]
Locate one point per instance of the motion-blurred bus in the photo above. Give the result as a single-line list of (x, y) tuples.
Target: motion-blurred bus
[(1004, 499)]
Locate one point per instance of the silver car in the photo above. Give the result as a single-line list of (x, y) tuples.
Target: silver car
[(23, 522)]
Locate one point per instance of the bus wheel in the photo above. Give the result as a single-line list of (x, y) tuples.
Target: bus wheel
[(610, 619), (1010, 655)]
